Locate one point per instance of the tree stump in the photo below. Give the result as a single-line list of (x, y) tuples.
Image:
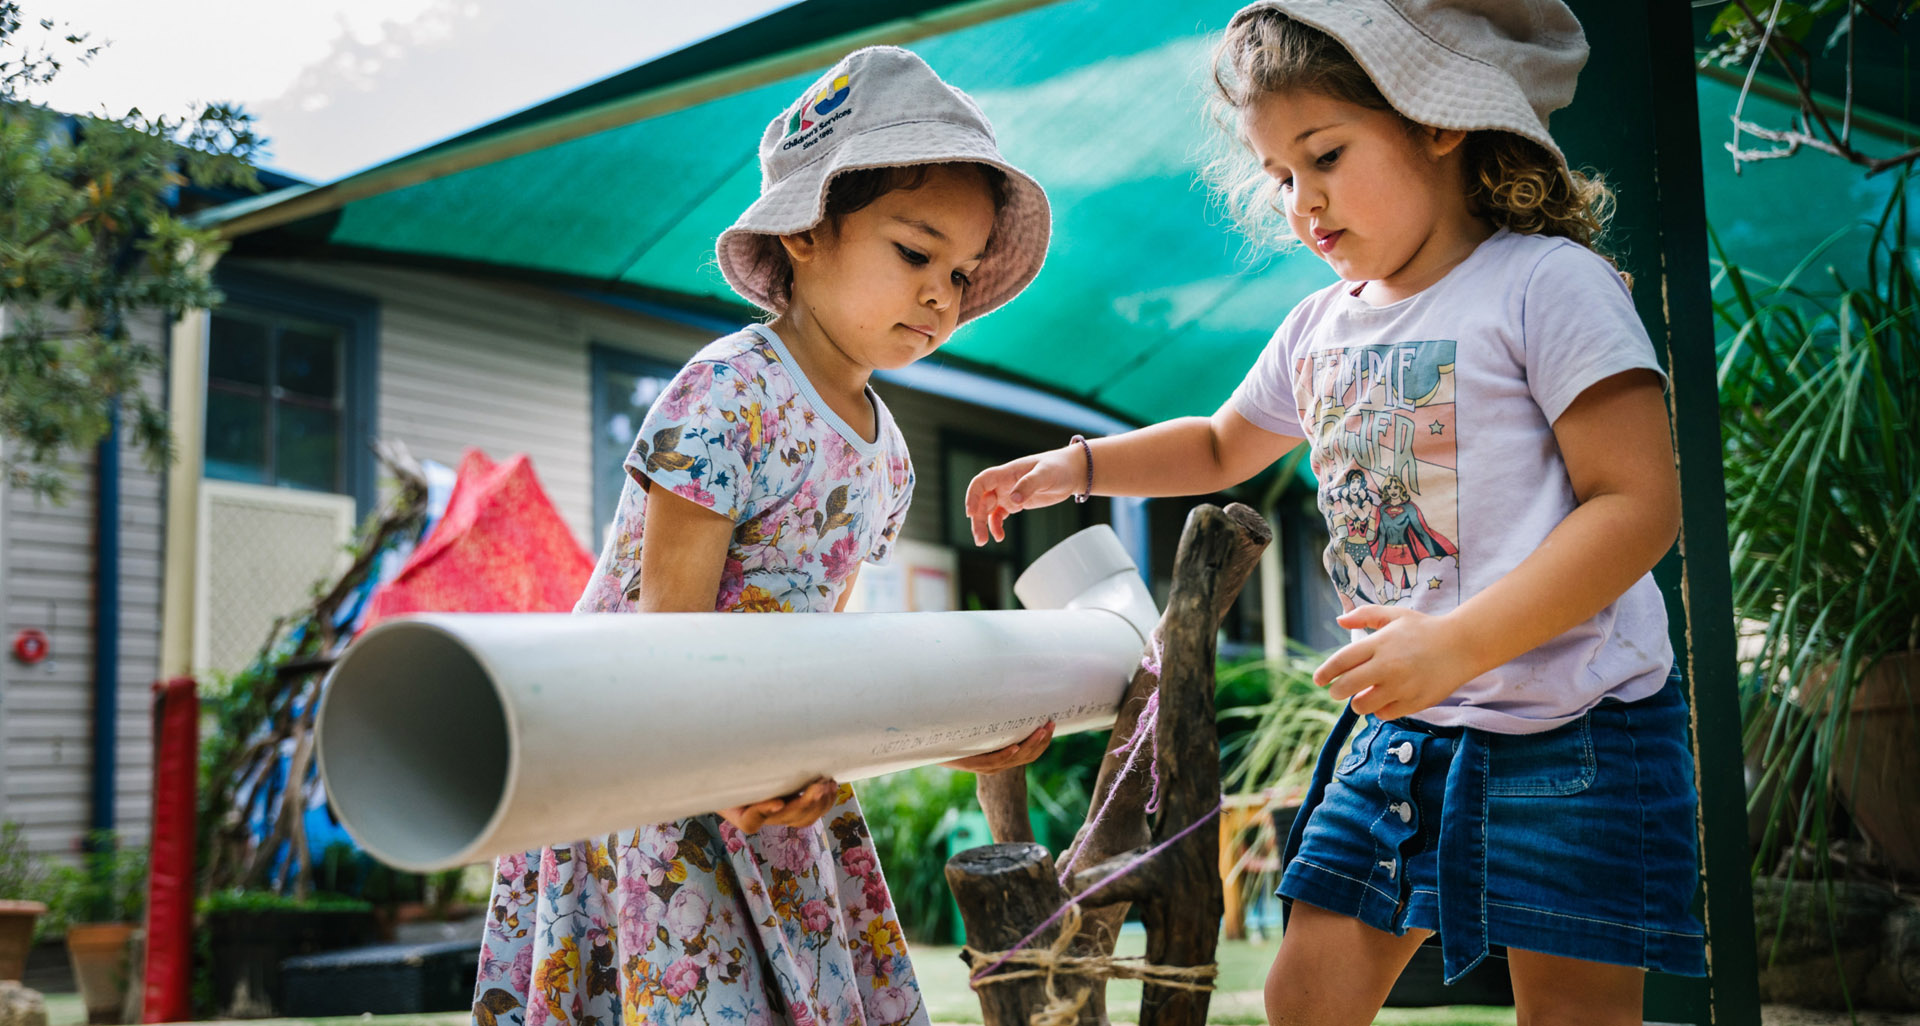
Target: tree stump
[(1005, 890)]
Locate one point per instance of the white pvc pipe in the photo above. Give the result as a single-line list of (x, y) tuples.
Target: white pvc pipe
[(445, 739)]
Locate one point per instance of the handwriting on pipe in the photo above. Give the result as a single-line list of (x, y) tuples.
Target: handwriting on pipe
[(897, 743)]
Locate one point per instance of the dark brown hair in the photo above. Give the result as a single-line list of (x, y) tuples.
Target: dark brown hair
[(855, 190), (1512, 181)]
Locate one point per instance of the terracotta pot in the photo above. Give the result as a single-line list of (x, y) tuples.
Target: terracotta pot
[(98, 952), (1882, 789), (16, 935)]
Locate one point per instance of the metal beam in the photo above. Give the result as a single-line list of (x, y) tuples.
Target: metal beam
[(1705, 633)]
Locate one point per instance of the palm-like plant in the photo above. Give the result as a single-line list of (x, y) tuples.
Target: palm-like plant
[(1268, 749), (1820, 401), (1276, 752)]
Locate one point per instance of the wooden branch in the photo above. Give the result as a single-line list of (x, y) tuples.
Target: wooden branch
[(1003, 797), (1794, 140), (1138, 885), (262, 863), (1124, 828), (236, 861), (301, 667), (1836, 142), (1004, 891), (1218, 550)]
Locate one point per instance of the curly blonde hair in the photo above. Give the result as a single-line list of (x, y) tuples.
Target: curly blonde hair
[(1511, 181)]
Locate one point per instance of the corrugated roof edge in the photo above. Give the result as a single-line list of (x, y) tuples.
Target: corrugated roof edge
[(841, 25)]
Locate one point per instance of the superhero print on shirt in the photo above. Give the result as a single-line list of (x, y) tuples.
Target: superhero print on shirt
[(1380, 419)]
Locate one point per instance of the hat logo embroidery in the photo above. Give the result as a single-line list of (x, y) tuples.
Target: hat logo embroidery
[(820, 106)]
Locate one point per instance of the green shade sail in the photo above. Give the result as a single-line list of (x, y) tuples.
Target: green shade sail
[(1150, 305)]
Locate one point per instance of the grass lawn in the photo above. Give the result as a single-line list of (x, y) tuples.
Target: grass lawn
[(1236, 1002), (66, 1010), (943, 979)]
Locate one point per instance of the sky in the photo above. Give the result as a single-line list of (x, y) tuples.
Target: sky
[(340, 85)]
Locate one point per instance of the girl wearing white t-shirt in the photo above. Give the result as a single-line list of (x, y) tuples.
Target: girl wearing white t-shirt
[(1486, 417)]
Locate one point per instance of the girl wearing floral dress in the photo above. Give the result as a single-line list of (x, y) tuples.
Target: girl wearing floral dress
[(762, 478)]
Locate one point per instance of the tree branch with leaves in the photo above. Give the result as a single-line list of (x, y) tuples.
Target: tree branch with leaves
[(1759, 34), (91, 238)]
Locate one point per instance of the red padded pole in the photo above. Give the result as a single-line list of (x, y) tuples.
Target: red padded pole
[(176, 758)]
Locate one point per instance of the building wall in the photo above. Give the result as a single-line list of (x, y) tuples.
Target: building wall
[(507, 368), (47, 570), (463, 365)]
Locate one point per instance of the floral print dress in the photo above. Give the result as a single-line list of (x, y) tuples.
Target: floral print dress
[(693, 921)]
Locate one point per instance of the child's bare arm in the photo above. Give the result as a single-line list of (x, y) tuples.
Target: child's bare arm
[(1188, 456), (1619, 458), (840, 606), (680, 567), (683, 555)]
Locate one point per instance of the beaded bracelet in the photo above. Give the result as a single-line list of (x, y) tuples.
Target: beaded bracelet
[(1088, 494)]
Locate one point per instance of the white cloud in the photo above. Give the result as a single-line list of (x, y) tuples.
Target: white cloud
[(164, 56), (338, 85)]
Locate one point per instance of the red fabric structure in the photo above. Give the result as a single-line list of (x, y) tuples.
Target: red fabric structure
[(500, 548), (168, 974)]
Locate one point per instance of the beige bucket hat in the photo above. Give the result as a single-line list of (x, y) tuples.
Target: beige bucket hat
[(883, 107), (1466, 64)]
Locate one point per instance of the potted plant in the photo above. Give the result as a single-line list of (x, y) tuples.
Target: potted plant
[(20, 878), (1820, 401), (99, 904)]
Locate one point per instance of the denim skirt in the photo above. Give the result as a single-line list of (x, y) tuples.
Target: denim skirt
[(1579, 841)]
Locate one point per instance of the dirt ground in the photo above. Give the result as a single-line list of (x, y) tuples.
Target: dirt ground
[(1788, 1015)]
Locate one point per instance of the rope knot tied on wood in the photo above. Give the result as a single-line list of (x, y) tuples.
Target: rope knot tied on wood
[(1053, 961)]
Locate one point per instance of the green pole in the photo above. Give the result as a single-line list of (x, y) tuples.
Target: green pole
[(1636, 117)]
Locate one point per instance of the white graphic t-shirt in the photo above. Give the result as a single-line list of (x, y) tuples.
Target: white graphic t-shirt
[(1430, 422)]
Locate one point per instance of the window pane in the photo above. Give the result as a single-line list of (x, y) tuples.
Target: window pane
[(306, 448), (625, 394), (236, 436), (237, 351), (310, 362)]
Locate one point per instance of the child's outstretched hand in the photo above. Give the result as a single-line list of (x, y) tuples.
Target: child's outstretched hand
[(1029, 482), (1410, 661), (794, 810), (1010, 757)]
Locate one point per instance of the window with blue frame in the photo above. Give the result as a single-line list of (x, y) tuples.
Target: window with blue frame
[(274, 400), (290, 387), (625, 384)]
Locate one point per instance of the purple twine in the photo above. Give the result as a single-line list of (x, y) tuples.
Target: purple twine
[(1151, 661), (1007, 955), (1140, 740)]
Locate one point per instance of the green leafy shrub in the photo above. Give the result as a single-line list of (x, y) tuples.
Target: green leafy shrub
[(1820, 418), (109, 885), (910, 815), (21, 873)]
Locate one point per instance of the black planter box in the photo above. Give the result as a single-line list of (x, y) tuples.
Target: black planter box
[(248, 945), (382, 979)]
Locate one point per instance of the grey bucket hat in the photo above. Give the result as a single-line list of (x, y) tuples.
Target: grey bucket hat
[(882, 107), (1503, 65)]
